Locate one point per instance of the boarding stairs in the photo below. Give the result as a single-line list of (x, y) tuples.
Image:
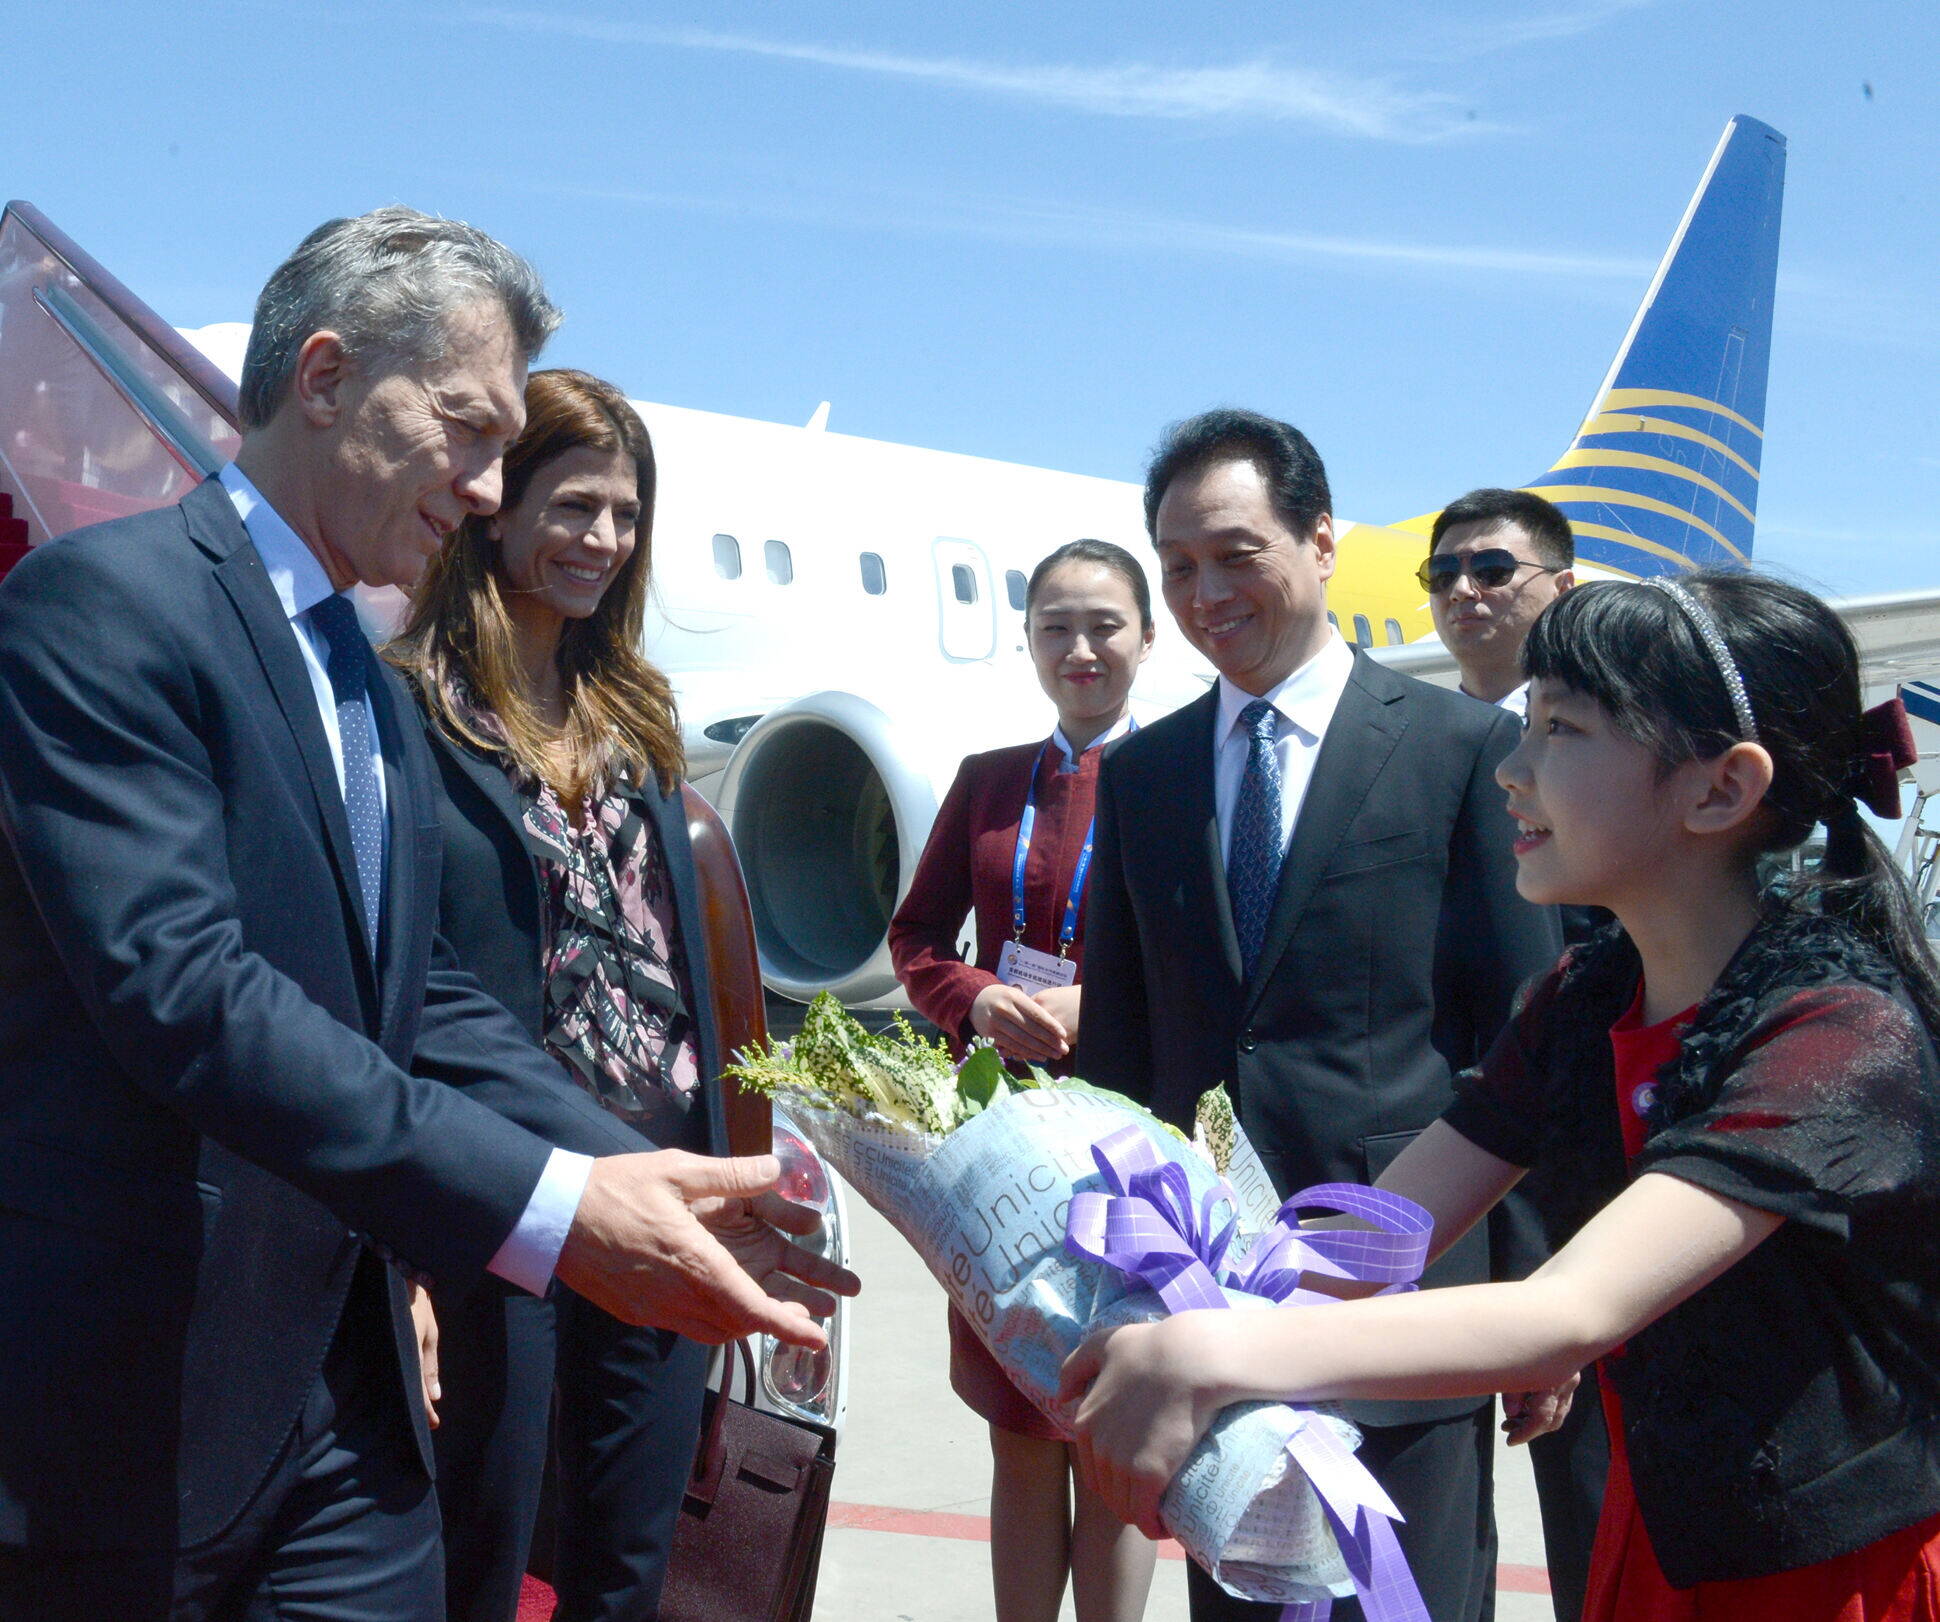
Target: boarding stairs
[(13, 535)]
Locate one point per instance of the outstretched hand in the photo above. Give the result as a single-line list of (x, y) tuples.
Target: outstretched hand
[(689, 1243)]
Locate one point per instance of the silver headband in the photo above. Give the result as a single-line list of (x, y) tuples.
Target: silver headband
[(1709, 634)]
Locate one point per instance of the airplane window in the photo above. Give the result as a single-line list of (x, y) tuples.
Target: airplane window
[(727, 557), (875, 579), (1015, 586), (1395, 638), (781, 567), (1363, 632), (963, 583)]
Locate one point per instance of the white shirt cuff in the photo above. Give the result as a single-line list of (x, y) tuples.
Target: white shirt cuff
[(531, 1250)]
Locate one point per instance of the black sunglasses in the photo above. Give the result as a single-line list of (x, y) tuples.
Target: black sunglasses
[(1489, 569)]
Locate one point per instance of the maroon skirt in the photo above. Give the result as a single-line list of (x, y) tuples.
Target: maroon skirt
[(976, 1377)]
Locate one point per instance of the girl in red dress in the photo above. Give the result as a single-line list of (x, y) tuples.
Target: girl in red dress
[(1727, 1107), (1011, 843)]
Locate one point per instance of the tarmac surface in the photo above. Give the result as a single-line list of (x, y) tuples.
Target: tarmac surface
[(907, 1539)]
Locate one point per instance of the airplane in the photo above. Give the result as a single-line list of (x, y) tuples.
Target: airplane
[(841, 617)]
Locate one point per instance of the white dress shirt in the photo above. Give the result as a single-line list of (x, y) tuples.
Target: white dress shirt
[(1118, 729), (1305, 703), (530, 1253), (1515, 701)]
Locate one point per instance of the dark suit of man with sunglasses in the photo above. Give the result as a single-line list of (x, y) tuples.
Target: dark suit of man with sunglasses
[(1497, 559)]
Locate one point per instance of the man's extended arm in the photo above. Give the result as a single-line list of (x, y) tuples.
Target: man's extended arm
[(113, 810)]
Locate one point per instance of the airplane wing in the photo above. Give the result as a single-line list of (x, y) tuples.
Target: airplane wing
[(1425, 658), (1898, 634)]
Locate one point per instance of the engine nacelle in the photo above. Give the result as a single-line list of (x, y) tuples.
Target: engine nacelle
[(830, 800)]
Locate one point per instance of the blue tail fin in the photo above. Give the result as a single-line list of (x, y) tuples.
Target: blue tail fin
[(1663, 474)]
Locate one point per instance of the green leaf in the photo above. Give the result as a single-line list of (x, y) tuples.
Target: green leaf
[(1215, 1131), (981, 1081)]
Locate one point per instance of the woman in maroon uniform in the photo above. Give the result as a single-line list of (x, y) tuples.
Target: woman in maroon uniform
[(1012, 842)]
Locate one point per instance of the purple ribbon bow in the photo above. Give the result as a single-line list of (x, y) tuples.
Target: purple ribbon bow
[(1392, 1253), (1149, 1228)]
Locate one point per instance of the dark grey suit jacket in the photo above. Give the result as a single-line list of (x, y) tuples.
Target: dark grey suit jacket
[(211, 1097), (1394, 947)]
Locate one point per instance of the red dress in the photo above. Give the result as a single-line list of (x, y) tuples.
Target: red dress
[(1896, 1579), (966, 867)]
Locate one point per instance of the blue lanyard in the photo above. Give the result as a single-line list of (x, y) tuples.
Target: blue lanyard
[(1068, 930)]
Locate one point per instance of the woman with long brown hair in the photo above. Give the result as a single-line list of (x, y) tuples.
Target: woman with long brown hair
[(569, 890)]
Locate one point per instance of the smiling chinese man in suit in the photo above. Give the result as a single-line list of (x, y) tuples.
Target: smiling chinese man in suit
[(1304, 888)]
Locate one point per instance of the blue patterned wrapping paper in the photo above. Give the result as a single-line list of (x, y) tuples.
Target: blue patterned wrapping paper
[(986, 1210)]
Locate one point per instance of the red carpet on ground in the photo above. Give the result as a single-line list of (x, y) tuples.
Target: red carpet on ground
[(535, 1603)]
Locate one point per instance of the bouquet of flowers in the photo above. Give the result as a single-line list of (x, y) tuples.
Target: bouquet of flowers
[(1049, 1209)]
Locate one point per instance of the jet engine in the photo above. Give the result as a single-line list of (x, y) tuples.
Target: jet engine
[(829, 800)]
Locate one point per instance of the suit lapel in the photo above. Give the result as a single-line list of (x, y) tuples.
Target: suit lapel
[(489, 777), (402, 910), (214, 526), (1188, 822), (1367, 723)]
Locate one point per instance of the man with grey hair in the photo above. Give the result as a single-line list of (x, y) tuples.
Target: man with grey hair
[(244, 1089)]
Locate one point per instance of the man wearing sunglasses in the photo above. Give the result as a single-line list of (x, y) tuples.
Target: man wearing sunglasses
[(1497, 559)]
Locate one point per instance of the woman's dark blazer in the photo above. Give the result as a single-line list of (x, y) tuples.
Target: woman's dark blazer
[(490, 906)]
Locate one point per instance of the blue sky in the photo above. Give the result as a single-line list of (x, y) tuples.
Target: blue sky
[(1040, 233)]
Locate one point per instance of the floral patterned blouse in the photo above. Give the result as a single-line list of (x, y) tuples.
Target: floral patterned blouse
[(617, 992), (618, 996)]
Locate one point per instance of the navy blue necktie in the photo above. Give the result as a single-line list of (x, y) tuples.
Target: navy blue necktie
[(348, 669), (1253, 867)]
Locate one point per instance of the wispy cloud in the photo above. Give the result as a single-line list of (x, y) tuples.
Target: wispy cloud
[(1119, 230), (1125, 229), (1260, 90), (1455, 39)]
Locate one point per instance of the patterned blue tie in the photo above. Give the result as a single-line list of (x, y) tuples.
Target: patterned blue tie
[(1253, 867), (348, 669)]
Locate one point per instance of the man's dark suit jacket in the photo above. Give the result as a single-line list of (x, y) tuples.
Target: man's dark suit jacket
[(210, 1096), (1395, 943)]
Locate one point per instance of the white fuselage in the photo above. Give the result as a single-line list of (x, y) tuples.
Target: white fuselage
[(817, 519)]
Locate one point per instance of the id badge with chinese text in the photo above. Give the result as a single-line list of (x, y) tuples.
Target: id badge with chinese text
[(1031, 970)]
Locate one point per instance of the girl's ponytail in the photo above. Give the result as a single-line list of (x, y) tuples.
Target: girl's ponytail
[(1858, 881)]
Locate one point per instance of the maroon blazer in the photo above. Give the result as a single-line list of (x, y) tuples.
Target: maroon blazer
[(967, 864)]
